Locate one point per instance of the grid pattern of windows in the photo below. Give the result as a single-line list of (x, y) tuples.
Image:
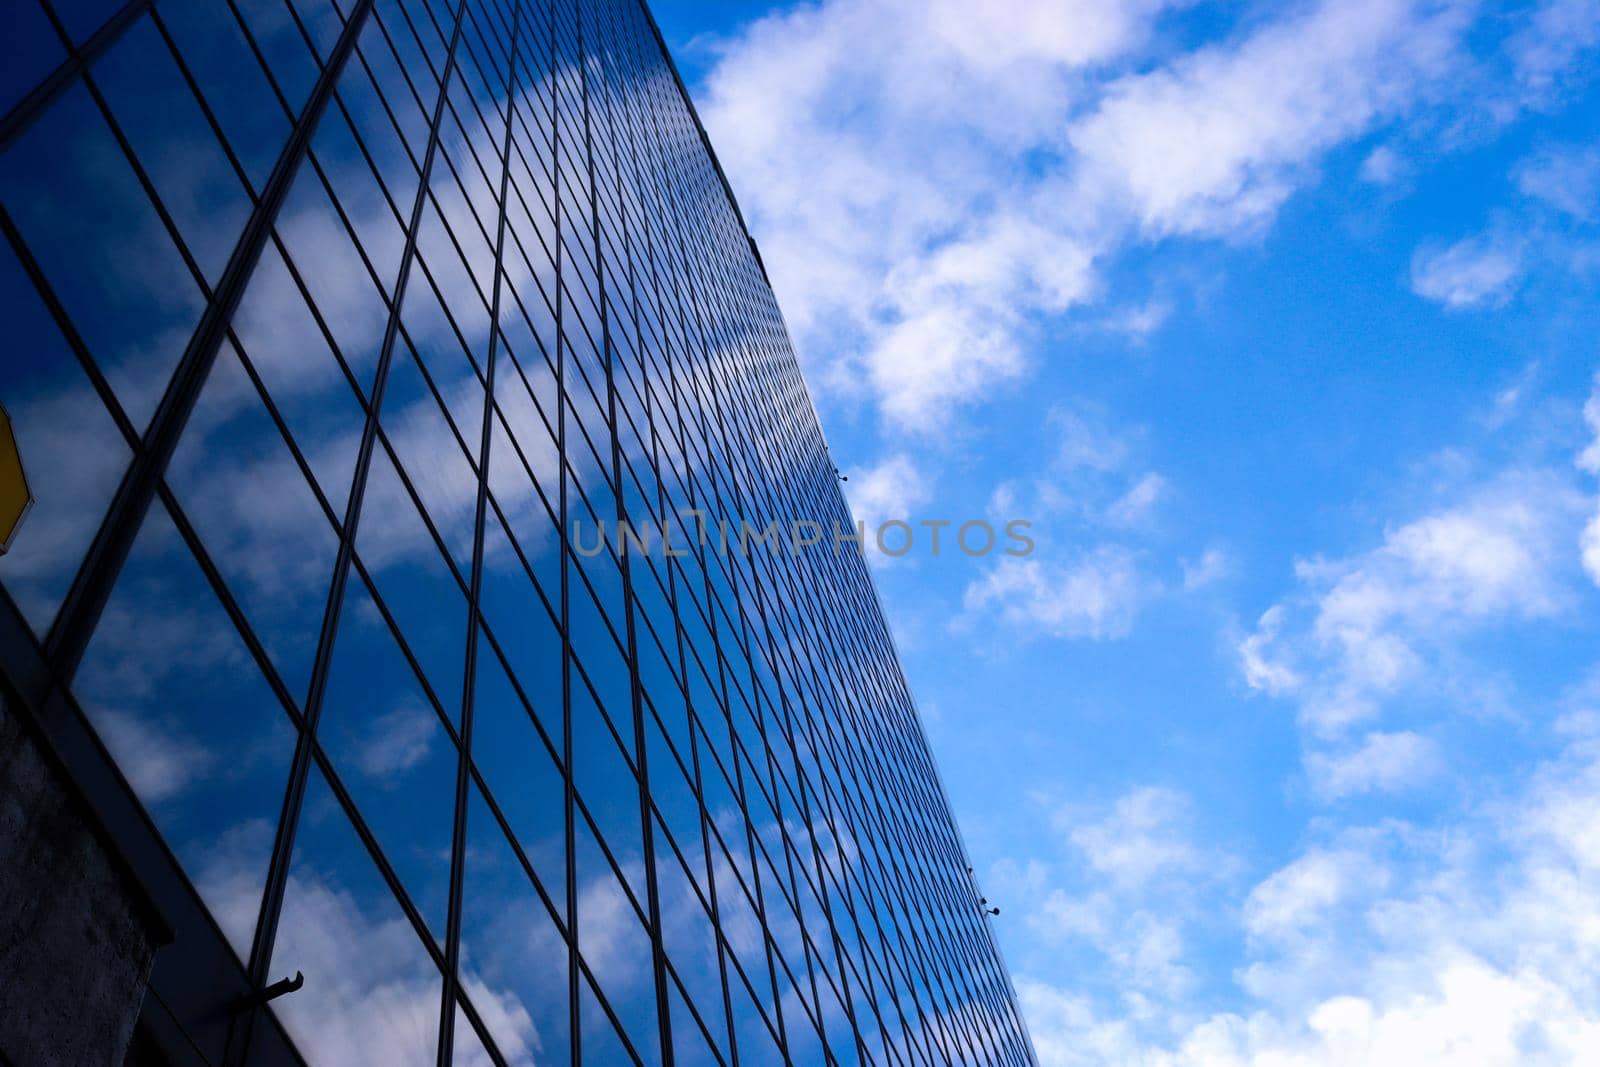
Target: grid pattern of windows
[(333, 322)]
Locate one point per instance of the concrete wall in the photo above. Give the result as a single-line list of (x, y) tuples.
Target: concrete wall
[(75, 942)]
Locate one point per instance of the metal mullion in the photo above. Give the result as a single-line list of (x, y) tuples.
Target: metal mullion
[(890, 821), (749, 829), (400, 65), (694, 886), (141, 483), (449, 316), (388, 111), (694, 777), (617, 1028), (321, 323), (466, 197), (921, 919), (474, 612), (26, 111), (455, 243), (69, 332), (569, 794), (205, 108), (230, 606), (366, 153), (903, 1023), (305, 34), (538, 488), (868, 871), (139, 173), (522, 307), (760, 911), (694, 1013), (307, 751), (821, 893), (529, 259), (844, 873), (522, 458), (477, 57), (477, 66), (826, 872), (403, 6)]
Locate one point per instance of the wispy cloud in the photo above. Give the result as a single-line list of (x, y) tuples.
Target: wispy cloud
[(1589, 461), (1376, 624), (1473, 272), (1096, 595), (932, 184)]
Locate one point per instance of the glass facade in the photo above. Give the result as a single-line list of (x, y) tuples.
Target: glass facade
[(332, 326)]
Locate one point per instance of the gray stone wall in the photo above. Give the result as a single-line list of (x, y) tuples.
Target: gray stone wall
[(75, 944)]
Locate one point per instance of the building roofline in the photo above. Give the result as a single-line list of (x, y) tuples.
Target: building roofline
[(705, 138)]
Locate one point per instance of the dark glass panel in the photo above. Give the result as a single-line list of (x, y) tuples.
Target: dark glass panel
[(346, 296), (29, 50), (236, 88), (414, 581), (434, 454), (307, 384), (614, 944), (271, 24), (102, 246), (71, 450), (513, 957), (521, 770), (259, 520), (192, 724), (372, 994), (80, 17), (391, 752), (163, 121)]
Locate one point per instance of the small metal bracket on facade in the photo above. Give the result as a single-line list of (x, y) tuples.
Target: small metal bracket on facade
[(270, 993)]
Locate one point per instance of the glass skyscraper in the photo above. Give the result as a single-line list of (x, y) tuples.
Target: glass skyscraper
[(334, 332)]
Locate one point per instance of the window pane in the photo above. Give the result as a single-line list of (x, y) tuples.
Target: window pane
[(513, 958), (391, 752), (29, 50), (103, 249), (71, 450), (191, 723), (261, 525), (177, 148), (372, 994)]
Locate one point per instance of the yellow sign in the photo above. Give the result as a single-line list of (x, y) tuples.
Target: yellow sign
[(15, 496)]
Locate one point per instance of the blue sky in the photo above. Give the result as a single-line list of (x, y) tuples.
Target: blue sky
[(1277, 321)]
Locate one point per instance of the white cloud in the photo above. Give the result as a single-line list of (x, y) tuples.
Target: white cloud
[(396, 741), (1299, 896), (1383, 762), (1589, 460), (1472, 945), (1473, 272), (1142, 836), (1551, 43), (160, 760), (1095, 596), (931, 182), (892, 491), (1368, 626), (1212, 567), (1568, 179), (1134, 507), (1215, 142), (1122, 889), (1383, 166)]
